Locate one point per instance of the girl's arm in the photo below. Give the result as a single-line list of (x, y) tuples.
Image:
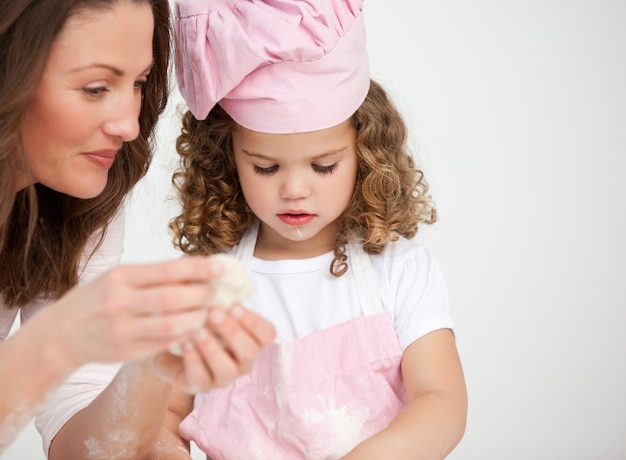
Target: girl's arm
[(169, 444), (433, 422)]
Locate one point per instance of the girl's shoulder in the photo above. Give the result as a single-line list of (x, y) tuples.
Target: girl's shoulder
[(403, 251), (412, 289), (407, 265)]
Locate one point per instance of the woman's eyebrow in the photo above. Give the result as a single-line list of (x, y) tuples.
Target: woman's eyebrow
[(116, 71)]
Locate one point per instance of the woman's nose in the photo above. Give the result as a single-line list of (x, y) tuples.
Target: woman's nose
[(124, 119)]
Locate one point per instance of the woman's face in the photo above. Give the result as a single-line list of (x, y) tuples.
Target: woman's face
[(88, 101)]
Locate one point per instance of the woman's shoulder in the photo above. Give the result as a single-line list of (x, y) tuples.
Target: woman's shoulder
[(109, 252)]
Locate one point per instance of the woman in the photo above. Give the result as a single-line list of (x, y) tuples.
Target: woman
[(82, 85)]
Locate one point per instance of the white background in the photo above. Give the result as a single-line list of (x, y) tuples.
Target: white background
[(517, 111)]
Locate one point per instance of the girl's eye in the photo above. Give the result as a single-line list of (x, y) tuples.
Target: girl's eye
[(324, 169), (265, 171)]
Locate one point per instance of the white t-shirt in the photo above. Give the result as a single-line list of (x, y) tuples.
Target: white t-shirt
[(70, 398), (301, 296)]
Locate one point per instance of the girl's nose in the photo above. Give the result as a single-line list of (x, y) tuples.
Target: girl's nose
[(294, 187)]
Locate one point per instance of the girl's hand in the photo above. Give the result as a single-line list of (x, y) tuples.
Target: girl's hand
[(219, 353), (133, 311)]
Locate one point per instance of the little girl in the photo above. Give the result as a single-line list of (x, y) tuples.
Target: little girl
[(294, 161)]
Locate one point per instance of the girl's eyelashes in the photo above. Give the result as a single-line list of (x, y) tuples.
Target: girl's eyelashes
[(265, 171), (322, 170), (329, 169)]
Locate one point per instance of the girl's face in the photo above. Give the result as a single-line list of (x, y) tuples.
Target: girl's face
[(87, 103), (297, 185)]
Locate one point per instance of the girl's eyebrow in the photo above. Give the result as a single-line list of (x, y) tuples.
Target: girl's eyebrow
[(322, 155), (329, 153), (255, 154)]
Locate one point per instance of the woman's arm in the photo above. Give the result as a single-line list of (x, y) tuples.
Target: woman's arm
[(433, 422), (121, 423), (30, 366), (125, 420)]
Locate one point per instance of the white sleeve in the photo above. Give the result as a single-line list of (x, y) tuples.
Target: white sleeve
[(76, 393), (416, 292), (7, 318), (108, 255), (86, 383)]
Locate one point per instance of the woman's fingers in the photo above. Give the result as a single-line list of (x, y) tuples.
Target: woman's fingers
[(160, 288), (183, 270), (168, 328), (170, 298), (135, 311)]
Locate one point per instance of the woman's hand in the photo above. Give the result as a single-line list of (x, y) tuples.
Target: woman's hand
[(134, 311), (217, 354)]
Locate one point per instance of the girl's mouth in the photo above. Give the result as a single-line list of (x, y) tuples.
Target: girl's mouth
[(296, 219)]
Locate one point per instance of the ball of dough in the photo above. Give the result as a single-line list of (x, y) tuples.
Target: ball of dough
[(231, 287)]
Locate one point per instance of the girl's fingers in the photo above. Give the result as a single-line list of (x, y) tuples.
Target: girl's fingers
[(242, 345), (195, 376), (221, 365), (218, 353), (258, 327)]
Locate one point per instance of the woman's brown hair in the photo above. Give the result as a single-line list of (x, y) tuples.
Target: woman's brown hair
[(390, 196), (43, 233)]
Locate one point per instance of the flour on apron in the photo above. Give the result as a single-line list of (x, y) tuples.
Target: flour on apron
[(314, 397)]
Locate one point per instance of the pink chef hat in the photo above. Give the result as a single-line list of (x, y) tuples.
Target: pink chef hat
[(275, 66)]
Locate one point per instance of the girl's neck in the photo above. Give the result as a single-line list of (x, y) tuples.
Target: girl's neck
[(272, 246)]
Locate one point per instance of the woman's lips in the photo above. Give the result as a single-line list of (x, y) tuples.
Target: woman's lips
[(101, 158), (296, 219)]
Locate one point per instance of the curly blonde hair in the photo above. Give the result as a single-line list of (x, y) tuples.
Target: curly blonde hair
[(390, 197)]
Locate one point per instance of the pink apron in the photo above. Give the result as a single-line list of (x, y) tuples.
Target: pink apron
[(312, 398)]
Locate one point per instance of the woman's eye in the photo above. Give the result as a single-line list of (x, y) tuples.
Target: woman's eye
[(142, 84), (265, 171), (324, 169), (96, 91)]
